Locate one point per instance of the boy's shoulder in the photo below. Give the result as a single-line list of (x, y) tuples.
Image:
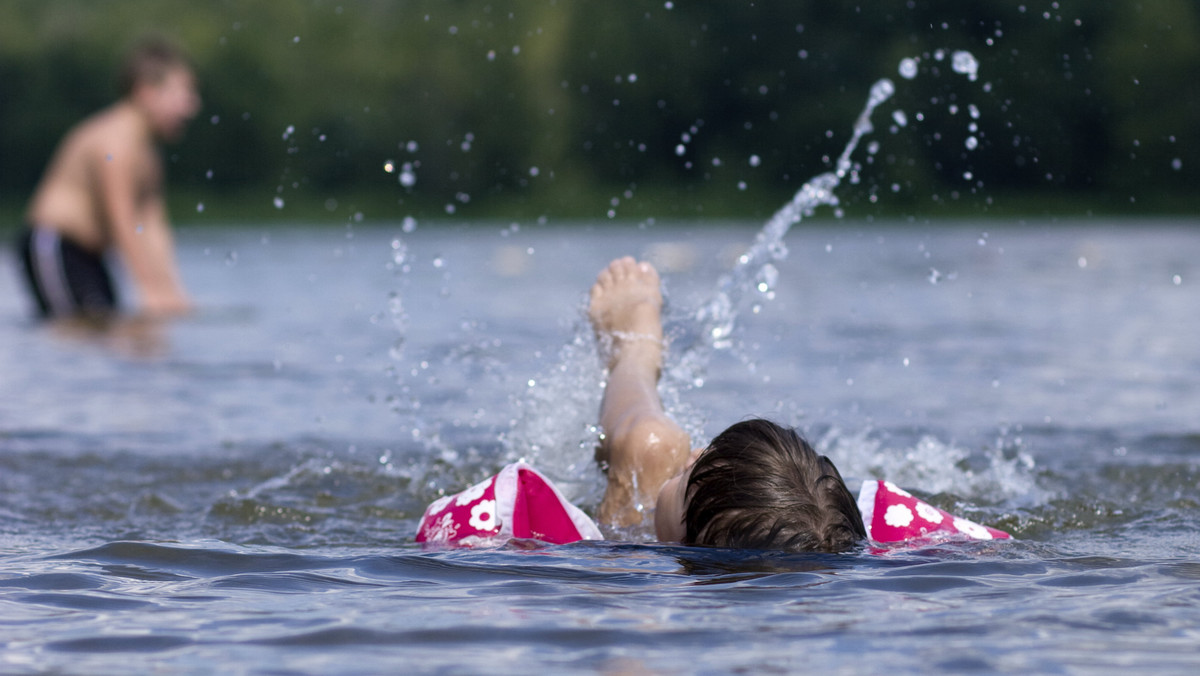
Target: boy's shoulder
[(106, 135)]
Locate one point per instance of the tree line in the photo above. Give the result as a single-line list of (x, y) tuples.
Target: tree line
[(626, 109)]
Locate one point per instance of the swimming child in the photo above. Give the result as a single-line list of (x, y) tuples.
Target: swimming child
[(756, 485), (103, 190)]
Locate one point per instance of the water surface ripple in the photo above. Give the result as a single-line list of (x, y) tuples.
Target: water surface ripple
[(238, 492)]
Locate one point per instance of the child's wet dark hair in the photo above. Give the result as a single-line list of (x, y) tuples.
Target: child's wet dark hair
[(761, 486)]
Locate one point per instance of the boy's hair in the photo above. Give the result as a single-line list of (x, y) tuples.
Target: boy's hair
[(761, 486), (148, 61)]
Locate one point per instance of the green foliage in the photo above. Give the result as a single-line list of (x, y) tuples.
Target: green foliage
[(576, 107)]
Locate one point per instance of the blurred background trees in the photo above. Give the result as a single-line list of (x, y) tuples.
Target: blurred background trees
[(630, 109)]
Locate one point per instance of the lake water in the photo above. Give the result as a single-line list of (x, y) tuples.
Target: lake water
[(237, 492)]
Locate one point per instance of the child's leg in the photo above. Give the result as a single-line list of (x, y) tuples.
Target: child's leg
[(642, 447)]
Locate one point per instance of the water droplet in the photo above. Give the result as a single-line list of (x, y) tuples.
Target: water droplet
[(964, 63), (278, 202), (288, 132), (900, 118), (407, 177), (534, 171), (208, 174), (973, 110), (200, 207), (389, 166), (1177, 279), (908, 68), (972, 143), (934, 276), (741, 185), (1177, 164), (409, 224), (632, 77), (755, 160), (411, 146), (968, 175), (680, 150), (1082, 262), (881, 91), (439, 262)]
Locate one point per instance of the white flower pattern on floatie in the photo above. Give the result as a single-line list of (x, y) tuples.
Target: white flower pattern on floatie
[(439, 505), (929, 513), (896, 489), (483, 516), (473, 493), (444, 529), (972, 529), (898, 516)]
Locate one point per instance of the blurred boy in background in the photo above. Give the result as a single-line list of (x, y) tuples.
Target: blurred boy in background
[(103, 190)]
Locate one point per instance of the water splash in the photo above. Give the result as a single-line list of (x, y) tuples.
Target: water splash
[(964, 63), (712, 325), (555, 427), (1003, 473)]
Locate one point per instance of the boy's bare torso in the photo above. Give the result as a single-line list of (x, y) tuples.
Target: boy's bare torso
[(112, 150)]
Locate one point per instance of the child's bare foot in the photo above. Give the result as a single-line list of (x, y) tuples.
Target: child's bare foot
[(626, 311)]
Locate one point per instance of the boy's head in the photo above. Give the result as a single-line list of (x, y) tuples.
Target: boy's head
[(761, 486), (157, 77)]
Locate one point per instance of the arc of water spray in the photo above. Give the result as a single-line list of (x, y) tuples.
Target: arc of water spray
[(716, 319)]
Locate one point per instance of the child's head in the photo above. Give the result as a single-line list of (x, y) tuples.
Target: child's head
[(157, 77), (761, 486)]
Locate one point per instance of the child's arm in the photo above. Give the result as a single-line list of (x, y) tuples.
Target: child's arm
[(139, 227), (642, 447)]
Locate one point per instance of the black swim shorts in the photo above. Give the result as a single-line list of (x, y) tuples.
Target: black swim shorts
[(65, 278)]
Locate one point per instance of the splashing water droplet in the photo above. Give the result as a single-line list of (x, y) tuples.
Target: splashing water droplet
[(278, 202), (407, 177), (880, 91), (973, 110), (1177, 164), (908, 68), (409, 224), (389, 166), (900, 118), (680, 150), (935, 276), (972, 143), (200, 207), (755, 160), (964, 63)]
